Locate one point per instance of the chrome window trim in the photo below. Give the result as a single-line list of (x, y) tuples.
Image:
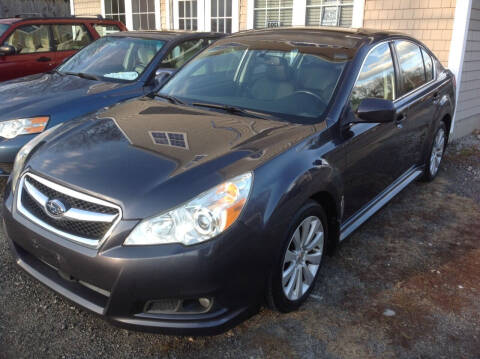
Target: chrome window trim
[(363, 63), (91, 243), (396, 99), (426, 83)]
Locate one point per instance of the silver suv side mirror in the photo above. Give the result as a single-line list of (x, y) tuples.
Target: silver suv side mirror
[(162, 76)]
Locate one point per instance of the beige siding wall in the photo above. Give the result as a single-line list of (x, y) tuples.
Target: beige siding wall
[(467, 116), (243, 14), (163, 14), (430, 21), (87, 7)]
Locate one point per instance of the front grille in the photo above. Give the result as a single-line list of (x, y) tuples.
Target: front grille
[(34, 194), (72, 201)]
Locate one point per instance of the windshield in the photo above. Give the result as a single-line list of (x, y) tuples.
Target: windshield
[(286, 84), (3, 28), (114, 58)]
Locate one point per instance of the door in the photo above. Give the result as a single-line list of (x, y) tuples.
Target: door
[(372, 148), (68, 39), (33, 52), (417, 103)]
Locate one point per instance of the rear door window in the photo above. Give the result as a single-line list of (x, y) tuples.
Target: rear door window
[(183, 52), (376, 78), (30, 39), (104, 30), (70, 37), (427, 59), (411, 65)]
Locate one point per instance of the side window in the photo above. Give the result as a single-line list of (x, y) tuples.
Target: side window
[(104, 30), (30, 39), (376, 78), (411, 65), (182, 53), (427, 59), (70, 37)]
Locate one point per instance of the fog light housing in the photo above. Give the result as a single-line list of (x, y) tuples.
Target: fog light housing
[(205, 302), (179, 306)]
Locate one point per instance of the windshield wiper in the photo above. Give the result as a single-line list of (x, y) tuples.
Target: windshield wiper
[(84, 75), (235, 110), (172, 99)]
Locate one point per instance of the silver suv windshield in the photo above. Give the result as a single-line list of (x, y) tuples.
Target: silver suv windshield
[(113, 58), (283, 83)]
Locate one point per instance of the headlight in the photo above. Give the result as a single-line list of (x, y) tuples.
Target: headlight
[(204, 217), (23, 126), (22, 155)]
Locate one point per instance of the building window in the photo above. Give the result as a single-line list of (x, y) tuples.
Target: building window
[(115, 9), (329, 13), (221, 16), (272, 13), (143, 14), (187, 15)]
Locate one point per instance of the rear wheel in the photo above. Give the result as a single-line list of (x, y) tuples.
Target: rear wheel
[(293, 277), (437, 150)]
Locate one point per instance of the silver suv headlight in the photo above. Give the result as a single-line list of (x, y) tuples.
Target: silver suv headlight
[(204, 217)]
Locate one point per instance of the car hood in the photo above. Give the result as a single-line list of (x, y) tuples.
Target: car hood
[(45, 94), (149, 156)]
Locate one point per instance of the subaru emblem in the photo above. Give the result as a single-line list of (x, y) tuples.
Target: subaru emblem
[(55, 208)]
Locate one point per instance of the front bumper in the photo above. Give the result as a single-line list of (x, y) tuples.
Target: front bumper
[(118, 281)]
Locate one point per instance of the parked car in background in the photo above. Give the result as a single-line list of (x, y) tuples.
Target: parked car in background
[(186, 212), (33, 45), (114, 68)]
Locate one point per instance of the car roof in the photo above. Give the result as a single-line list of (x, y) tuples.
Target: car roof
[(317, 35), (166, 35), (12, 20), (333, 43), (9, 20)]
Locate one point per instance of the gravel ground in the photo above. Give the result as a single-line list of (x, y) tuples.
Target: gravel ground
[(405, 285)]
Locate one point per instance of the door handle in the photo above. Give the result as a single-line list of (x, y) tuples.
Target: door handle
[(400, 118), (44, 59), (436, 98)]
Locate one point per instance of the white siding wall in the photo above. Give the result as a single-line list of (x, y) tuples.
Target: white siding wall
[(468, 106)]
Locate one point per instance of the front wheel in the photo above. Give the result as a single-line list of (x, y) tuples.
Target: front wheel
[(293, 277), (432, 164)]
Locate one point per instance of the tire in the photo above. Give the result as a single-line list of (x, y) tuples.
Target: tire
[(293, 262), (435, 155)]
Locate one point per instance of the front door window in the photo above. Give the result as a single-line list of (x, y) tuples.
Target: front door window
[(30, 39)]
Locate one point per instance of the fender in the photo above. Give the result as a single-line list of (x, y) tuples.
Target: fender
[(282, 196)]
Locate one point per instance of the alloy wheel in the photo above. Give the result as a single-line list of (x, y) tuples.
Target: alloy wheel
[(302, 258), (437, 151)]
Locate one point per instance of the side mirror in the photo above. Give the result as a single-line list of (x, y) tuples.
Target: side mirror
[(162, 76), (7, 50), (375, 110)]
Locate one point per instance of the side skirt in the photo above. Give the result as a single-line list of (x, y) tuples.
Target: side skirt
[(378, 202)]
